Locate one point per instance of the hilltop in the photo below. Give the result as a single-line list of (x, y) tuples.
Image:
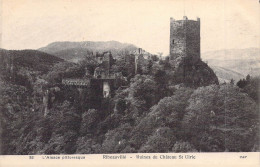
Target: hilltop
[(23, 67), (74, 51), (32, 59)]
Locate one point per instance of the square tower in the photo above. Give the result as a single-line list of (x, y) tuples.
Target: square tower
[(184, 40)]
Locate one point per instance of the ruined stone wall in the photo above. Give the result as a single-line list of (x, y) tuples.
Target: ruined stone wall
[(107, 62)]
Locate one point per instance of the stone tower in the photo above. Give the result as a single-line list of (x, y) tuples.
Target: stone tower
[(184, 41), (188, 68)]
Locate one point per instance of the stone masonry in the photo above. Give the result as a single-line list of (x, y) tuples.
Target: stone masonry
[(184, 41)]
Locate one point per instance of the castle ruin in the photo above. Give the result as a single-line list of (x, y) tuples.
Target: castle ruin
[(103, 81), (185, 61)]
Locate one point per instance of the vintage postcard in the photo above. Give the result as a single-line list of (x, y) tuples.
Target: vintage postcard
[(133, 82)]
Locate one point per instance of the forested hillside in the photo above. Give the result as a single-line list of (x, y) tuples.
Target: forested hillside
[(152, 113)]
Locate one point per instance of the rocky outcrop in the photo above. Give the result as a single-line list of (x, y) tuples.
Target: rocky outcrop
[(194, 74)]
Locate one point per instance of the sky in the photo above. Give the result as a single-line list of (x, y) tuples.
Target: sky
[(31, 24)]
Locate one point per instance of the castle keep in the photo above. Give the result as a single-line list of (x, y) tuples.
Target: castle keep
[(184, 40), (185, 59)]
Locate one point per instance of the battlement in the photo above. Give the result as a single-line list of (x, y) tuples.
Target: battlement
[(185, 18)]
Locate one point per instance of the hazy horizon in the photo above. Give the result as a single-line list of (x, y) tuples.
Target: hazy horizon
[(225, 24)]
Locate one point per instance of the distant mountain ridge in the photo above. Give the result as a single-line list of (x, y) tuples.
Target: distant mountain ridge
[(231, 54), (74, 51), (225, 75), (234, 63)]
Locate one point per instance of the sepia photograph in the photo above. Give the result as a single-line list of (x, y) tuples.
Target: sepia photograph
[(129, 76)]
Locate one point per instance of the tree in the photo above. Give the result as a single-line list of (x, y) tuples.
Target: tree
[(248, 77), (142, 91), (241, 83), (232, 81), (64, 70), (220, 118), (250, 85), (66, 124), (146, 66), (167, 113), (89, 63), (161, 141), (89, 122), (86, 145), (16, 118), (161, 78), (127, 68), (182, 147), (117, 139), (252, 88)]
